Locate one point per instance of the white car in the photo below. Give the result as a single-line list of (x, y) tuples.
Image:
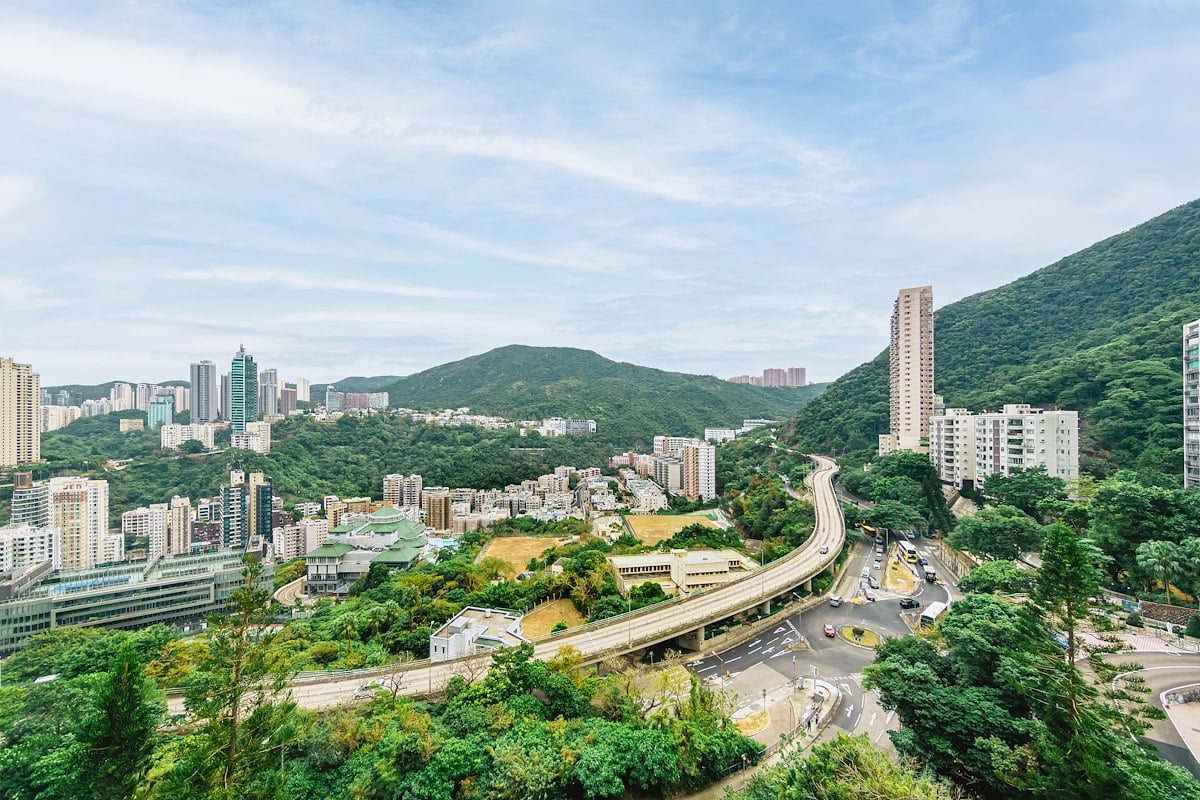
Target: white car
[(866, 571), (823, 549), (878, 564)]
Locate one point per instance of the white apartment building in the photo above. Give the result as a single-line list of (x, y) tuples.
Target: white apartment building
[(120, 397), (699, 471), (967, 448), (257, 438), (20, 414), (668, 473), (719, 435), (24, 545), (172, 436), (1191, 404), (911, 363), (150, 522)]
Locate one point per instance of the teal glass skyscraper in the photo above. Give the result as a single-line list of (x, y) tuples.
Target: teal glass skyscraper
[(243, 391)]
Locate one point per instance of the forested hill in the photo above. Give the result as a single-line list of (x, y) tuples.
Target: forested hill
[(1098, 331), (630, 403)]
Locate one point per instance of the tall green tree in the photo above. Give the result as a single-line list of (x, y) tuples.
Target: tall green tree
[(237, 694), (119, 734), (1165, 562), (1026, 489), (1001, 533)]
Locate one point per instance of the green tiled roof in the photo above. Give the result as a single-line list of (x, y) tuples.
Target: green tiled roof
[(330, 550), (401, 553)]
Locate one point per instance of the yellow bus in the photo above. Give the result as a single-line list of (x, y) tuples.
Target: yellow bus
[(907, 551)]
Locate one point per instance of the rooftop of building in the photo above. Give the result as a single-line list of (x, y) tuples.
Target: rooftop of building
[(495, 626)]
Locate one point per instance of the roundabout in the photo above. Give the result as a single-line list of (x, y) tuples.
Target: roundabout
[(860, 636)]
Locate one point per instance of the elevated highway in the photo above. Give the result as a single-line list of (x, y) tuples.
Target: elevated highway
[(684, 617)]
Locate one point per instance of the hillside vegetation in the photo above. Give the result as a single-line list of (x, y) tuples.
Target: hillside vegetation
[(1098, 331), (630, 403)]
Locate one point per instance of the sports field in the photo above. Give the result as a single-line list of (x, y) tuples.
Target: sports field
[(654, 528), (539, 621), (517, 550)]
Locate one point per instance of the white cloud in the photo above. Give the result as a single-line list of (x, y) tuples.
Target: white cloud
[(291, 279)]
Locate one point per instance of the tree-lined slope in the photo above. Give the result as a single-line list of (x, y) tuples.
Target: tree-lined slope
[(1098, 331)]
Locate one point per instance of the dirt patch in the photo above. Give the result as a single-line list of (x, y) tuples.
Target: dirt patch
[(539, 621), (653, 528), (755, 723), (517, 550)]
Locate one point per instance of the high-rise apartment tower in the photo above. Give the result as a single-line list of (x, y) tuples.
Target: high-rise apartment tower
[(243, 391), (1191, 404), (204, 392), (20, 414), (911, 358)]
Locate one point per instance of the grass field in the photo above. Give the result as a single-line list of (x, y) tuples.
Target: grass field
[(539, 621), (653, 528), (517, 550)]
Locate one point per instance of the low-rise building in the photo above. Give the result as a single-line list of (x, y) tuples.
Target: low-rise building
[(967, 448), (24, 545), (680, 571), (719, 435), (475, 630), (173, 435), (170, 591)]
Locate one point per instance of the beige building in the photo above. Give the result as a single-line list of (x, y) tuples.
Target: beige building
[(911, 361), (438, 511), (20, 414), (967, 448), (680, 571), (699, 470), (179, 526), (151, 522), (1191, 404), (79, 510)]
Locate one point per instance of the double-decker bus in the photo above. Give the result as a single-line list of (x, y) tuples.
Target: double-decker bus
[(907, 551)]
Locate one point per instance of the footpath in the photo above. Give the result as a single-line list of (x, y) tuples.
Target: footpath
[(797, 715)]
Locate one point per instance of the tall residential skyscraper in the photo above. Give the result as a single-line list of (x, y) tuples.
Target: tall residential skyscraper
[(179, 527), (302, 390), (243, 391), (438, 514), (1191, 404), (20, 414), (699, 470), (268, 392), (204, 392), (911, 358), (79, 509)]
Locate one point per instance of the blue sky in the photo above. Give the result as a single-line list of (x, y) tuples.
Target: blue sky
[(377, 188)]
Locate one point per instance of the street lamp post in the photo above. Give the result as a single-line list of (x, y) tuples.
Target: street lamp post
[(793, 673)]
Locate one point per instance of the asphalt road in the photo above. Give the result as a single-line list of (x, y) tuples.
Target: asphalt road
[(796, 648), (1162, 672)]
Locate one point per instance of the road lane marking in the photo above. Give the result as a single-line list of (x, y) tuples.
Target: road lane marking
[(850, 710), (880, 736), (756, 641), (752, 652), (731, 660), (872, 722), (706, 669)]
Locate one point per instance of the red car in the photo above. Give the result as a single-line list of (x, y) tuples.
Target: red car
[(830, 631)]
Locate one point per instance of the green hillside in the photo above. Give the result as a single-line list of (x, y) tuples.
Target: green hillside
[(356, 383), (1098, 331), (629, 403)]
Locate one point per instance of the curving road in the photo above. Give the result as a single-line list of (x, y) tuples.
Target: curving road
[(631, 632)]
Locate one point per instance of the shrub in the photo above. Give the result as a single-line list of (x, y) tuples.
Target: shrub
[(1134, 620), (1193, 626)]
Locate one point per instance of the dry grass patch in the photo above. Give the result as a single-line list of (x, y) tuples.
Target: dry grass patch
[(755, 723), (517, 550), (653, 528), (899, 578), (539, 621)]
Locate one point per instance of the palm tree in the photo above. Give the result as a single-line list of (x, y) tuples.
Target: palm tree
[(1162, 561), (1191, 548)]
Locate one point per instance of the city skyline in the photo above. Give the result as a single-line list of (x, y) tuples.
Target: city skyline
[(373, 190)]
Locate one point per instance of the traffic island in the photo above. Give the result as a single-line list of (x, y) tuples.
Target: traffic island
[(863, 637)]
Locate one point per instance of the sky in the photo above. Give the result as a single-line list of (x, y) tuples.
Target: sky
[(369, 188)]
